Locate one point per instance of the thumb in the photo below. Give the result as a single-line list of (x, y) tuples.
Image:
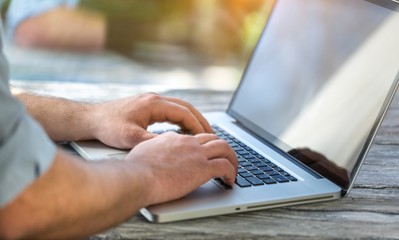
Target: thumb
[(139, 136)]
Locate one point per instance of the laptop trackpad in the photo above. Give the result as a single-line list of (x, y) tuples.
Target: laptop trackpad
[(209, 196), (118, 156)]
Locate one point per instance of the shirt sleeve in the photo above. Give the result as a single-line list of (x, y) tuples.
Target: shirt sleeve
[(20, 10), (26, 152)]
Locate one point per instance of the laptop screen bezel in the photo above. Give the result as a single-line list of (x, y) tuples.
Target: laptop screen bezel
[(257, 132)]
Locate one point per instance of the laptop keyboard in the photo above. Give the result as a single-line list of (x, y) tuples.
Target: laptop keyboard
[(253, 168)]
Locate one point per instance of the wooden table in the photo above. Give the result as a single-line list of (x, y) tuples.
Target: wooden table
[(370, 211)]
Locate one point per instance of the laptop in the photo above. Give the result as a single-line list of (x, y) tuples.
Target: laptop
[(302, 120)]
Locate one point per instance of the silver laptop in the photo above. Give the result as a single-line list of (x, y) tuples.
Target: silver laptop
[(305, 113)]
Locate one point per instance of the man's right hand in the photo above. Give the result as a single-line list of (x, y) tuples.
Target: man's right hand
[(174, 165), (73, 193)]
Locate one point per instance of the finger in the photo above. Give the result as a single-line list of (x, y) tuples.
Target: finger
[(204, 123), (178, 114), (221, 149), (222, 168), (206, 137)]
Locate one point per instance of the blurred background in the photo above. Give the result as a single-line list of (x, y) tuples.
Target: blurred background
[(130, 46)]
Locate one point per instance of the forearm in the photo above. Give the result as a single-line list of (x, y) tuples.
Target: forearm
[(75, 199), (63, 120), (63, 28)]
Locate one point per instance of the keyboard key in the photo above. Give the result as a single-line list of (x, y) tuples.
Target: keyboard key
[(269, 181), (250, 168), (248, 149), (245, 174), (237, 148), (254, 160), (280, 178), (257, 172), (241, 152), (245, 164), (263, 176), (266, 168), (259, 164), (233, 138), (267, 161), (241, 170), (159, 131), (248, 156), (292, 179), (273, 173), (242, 182), (221, 182), (254, 181), (272, 165)]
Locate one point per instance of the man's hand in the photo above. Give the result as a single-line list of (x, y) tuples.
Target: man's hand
[(74, 193), (122, 123), (177, 164)]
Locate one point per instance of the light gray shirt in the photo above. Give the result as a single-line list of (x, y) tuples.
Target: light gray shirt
[(26, 152)]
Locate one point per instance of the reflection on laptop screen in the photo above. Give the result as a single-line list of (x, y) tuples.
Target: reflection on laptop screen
[(319, 78)]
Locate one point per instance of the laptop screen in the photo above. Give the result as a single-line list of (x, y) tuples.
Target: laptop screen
[(320, 80)]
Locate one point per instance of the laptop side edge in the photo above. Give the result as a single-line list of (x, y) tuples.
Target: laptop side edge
[(384, 110)]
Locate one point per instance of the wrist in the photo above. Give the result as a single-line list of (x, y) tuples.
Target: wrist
[(91, 116), (143, 179)]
